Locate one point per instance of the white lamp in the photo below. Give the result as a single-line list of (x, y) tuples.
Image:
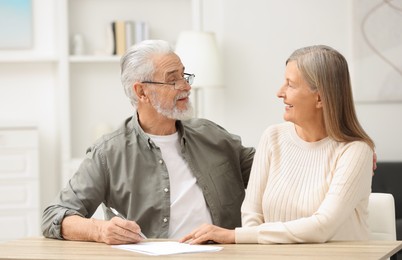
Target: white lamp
[(198, 52)]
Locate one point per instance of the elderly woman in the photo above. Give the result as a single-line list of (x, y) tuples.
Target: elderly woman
[(311, 176)]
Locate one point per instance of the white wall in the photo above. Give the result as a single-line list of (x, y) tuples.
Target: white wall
[(256, 37), (383, 123), (28, 92)]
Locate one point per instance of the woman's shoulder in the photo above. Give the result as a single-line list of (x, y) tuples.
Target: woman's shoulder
[(278, 128), (357, 146), (275, 133)]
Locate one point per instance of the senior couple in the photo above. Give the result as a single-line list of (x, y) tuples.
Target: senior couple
[(172, 176)]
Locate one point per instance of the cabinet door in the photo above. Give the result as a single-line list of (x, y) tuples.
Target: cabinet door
[(18, 223), (19, 183), (19, 194), (18, 163)]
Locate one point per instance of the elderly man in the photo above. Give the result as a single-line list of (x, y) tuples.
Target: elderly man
[(164, 172)]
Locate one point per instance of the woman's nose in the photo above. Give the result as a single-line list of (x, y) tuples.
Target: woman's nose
[(280, 92)]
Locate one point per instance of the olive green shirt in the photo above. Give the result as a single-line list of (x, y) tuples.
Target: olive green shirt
[(125, 170)]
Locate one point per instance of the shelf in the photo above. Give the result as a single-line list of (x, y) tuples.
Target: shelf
[(26, 58), (17, 124), (94, 59), (92, 84)]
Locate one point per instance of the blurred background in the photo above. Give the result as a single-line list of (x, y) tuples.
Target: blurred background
[(60, 84)]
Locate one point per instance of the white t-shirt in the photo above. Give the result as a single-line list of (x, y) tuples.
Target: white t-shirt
[(188, 209)]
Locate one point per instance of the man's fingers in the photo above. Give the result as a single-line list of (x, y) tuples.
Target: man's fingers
[(121, 231), (129, 226)]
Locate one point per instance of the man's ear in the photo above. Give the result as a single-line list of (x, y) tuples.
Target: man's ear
[(139, 91)]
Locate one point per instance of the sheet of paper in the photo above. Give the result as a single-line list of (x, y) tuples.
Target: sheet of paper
[(167, 248)]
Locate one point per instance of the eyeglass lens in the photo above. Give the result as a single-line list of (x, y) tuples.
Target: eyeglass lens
[(189, 78)]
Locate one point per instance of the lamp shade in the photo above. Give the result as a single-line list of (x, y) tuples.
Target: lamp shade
[(198, 52)]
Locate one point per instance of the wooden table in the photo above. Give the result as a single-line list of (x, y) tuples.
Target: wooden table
[(43, 248)]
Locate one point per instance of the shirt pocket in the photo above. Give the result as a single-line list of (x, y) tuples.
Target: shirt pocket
[(228, 184)]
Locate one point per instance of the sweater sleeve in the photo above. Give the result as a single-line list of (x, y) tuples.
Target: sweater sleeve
[(350, 185), (252, 213)]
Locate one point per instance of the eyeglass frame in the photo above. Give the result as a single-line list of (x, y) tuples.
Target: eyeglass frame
[(188, 77)]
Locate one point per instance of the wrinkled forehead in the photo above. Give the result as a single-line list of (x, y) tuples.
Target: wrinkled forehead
[(166, 64)]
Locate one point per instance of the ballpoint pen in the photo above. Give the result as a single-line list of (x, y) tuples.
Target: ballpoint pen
[(121, 216)]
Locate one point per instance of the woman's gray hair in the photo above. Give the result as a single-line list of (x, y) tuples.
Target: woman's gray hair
[(326, 71), (137, 64)]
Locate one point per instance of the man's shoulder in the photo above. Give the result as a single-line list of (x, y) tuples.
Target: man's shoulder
[(202, 126), (198, 122), (116, 138)]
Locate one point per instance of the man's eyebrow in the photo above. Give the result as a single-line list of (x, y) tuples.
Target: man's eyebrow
[(172, 72), (168, 73)]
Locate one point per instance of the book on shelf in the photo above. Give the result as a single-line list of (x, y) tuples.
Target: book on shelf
[(127, 33), (130, 36), (110, 48), (120, 36), (141, 31)]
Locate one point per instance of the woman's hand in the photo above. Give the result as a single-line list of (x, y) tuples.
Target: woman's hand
[(207, 233)]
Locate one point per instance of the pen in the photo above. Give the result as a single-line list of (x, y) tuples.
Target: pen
[(121, 216)]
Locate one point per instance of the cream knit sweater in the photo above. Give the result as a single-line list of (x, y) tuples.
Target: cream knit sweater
[(303, 192)]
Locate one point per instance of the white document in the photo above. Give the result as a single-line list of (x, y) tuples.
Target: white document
[(167, 248)]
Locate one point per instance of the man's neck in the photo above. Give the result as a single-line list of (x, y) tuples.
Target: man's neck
[(156, 124)]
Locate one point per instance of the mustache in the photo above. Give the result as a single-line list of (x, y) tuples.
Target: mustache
[(182, 95)]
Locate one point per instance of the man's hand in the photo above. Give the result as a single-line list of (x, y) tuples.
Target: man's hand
[(207, 233), (112, 232), (119, 231)]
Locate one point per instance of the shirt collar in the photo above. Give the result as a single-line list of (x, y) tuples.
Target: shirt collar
[(135, 125)]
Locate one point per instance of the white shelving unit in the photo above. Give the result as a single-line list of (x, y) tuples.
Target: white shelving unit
[(29, 155), (93, 98), (19, 181), (94, 59), (68, 97)]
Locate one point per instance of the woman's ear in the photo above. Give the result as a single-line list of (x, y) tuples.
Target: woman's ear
[(319, 102)]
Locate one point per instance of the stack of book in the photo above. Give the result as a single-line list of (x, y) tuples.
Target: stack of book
[(127, 33)]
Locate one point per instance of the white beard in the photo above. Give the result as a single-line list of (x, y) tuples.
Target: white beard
[(173, 113)]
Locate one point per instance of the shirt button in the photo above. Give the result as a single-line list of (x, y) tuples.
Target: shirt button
[(166, 189), (160, 161), (165, 220)]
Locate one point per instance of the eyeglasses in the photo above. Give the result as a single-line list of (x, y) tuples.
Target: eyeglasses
[(178, 84)]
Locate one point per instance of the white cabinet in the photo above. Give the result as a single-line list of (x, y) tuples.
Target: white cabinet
[(93, 97), (29, 86), (19, 182)]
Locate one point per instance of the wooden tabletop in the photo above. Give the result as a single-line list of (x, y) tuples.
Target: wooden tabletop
[(43, 248)]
